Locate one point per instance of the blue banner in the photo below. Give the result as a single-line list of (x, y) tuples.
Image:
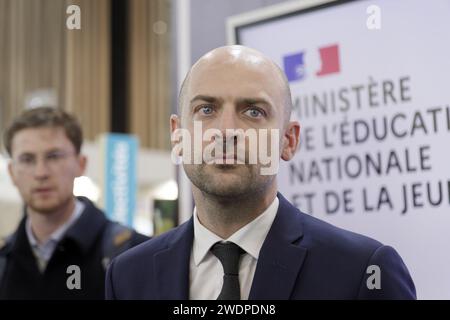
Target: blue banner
[(120, 177)]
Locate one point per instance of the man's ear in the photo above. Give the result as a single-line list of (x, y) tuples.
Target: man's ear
[(174, 125), (291, 139), (82, 164), (11, 173)]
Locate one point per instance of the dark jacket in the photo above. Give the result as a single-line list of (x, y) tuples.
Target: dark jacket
[(301, 258), (83, 245)]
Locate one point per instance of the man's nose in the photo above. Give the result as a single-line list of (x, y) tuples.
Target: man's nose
[(227, 119), (228, 126), (41, 169)]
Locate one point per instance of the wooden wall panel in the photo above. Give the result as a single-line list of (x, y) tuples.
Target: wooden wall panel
[(37, 51), (88, 67), (149, 82)]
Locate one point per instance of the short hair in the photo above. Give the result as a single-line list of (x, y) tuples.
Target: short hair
[(44, 117)]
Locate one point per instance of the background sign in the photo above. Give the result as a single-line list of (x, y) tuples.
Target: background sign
[(374, 109), (120, 151)]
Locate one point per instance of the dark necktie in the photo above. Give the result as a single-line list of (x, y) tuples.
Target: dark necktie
[(229, 255)]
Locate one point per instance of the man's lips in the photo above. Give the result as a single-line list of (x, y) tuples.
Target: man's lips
[(42, 190), (225, 158), (228, 156), (231, 158), (230, 162)]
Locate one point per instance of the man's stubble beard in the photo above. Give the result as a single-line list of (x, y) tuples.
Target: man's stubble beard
[(50, 209), (238, 185)]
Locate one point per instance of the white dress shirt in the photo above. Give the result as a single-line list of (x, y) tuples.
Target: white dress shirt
[(206, 271), (44, 251)]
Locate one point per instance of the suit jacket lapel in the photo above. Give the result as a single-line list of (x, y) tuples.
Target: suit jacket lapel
[(280, 259), (172, 265)]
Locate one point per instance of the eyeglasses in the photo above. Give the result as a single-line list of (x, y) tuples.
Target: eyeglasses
[(51, 160)]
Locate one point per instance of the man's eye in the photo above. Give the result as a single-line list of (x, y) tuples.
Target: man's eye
[(206, 109), (254, 113), (53, 156), (26, 160)]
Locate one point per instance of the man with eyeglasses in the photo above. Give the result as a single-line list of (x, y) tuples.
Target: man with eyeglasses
[(63, 244)]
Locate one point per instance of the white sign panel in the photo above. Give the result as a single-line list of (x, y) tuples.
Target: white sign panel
[(370, 86)]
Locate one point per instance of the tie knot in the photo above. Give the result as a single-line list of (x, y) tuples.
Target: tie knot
[(229, 255)]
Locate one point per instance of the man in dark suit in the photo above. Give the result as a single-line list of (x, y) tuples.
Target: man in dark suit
[(245, 240), (62, 246)]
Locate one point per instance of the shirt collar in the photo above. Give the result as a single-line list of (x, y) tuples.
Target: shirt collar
[(58, 234), (250, 237)]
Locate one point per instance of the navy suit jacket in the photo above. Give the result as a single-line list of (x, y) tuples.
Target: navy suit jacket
[(301, 258)]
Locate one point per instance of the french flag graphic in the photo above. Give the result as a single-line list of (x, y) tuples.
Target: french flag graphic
[(329, 57), (294, 66)]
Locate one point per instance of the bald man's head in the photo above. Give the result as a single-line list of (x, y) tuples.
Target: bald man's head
[(235, 104), (243, 58)]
